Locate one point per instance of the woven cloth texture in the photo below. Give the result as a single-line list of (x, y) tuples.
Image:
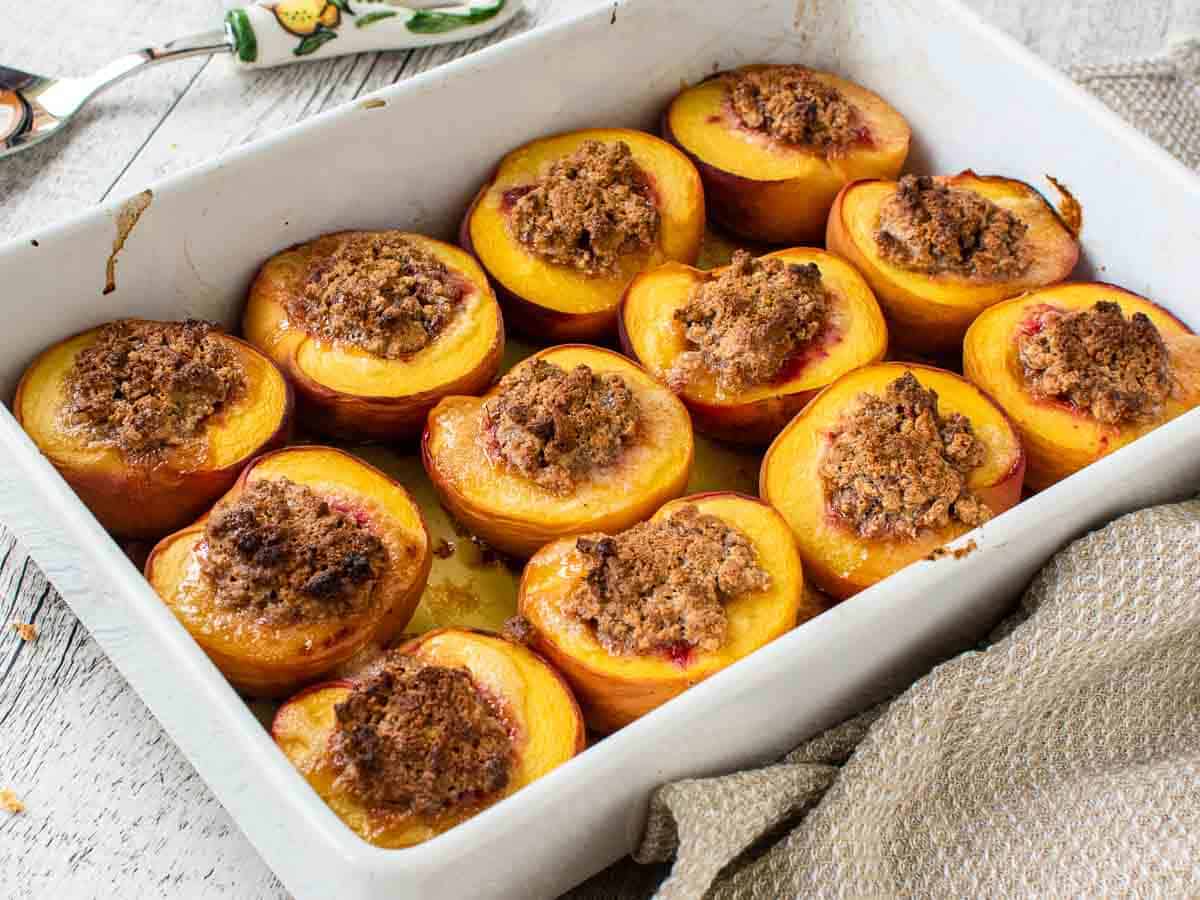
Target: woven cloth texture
[(1160, 96), (1062, 760)]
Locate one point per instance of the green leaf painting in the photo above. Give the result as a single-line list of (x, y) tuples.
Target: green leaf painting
[(425, 22), (372, 17), (314, 41), (316, 22)]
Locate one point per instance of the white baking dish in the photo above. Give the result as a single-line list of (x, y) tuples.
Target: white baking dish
[(974, 98)]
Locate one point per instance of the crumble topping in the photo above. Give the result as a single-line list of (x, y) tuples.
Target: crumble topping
[(556, 427), (380, 292), (1114, 369), (282, 553), (421, 739), (519, 630), (664, 584), (26, 631), (790, 104), (591, 209), (747, 323), (931, 228), (144, 387), (897, 465)]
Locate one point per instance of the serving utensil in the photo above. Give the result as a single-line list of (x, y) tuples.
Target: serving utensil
[(34, 107)]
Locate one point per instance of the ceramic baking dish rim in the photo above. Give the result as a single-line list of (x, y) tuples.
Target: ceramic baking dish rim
[(111, 564)]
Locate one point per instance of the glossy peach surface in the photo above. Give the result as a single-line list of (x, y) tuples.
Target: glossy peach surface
[(542, 715), (349, 393), (551, 302), (516, 515), (137, 499), (931, 313), (1059, 439), (765, 190), (836, 558), (856, 335), (615, 690), (269, 660)]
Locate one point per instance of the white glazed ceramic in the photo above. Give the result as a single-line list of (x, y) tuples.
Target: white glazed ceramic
[(275, 34), (411, 157)]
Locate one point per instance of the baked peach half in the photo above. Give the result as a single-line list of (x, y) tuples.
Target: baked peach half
[(940, 250), (566, 221), (431, 735), (663, 311), (1083, 369), (573, 439), (775, 144), (634, 619), (373, 328), (309, 557), (885, 466), (150, 422)]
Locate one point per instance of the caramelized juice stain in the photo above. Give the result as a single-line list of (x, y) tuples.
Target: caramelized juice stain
[(448, 601)]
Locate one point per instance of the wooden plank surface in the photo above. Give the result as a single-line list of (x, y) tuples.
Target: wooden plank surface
[(113, 809)]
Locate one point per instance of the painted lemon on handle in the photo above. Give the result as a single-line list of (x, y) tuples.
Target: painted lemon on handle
[(304, 17)]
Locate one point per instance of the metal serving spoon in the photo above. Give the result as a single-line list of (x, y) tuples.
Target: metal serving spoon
[(33, 107)]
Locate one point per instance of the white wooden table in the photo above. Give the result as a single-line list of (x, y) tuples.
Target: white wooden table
[(112, 807)]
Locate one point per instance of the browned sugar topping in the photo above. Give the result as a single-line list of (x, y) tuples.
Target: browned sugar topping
[(518, 629), (421, 739), (791, 105), (744, 325), (591, 209), (280, 553), (897, 465), (556, 427), (379, 292), (663, 585), (144, 387), (1115, 369), (931, 228)]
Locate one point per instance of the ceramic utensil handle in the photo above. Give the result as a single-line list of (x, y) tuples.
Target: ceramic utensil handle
[(291, 31)]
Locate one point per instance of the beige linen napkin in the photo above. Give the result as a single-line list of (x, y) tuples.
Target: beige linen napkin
[(1062, 760), (1161, 96)]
